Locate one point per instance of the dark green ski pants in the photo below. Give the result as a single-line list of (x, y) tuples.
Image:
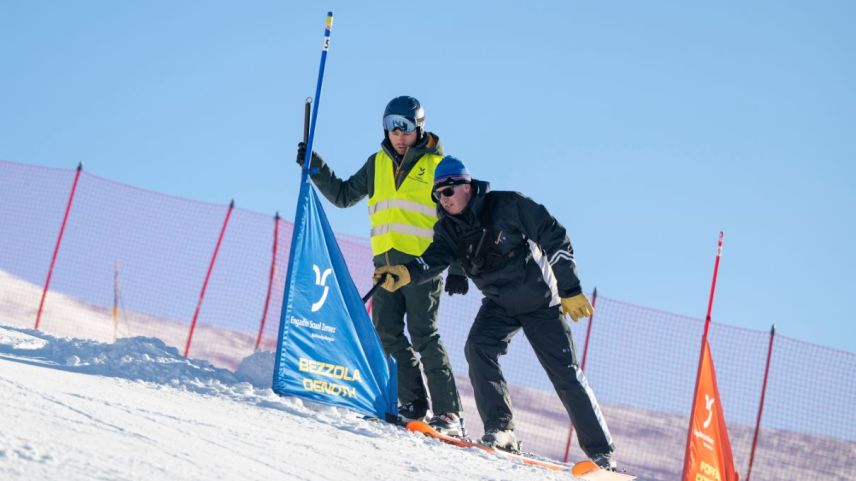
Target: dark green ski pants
[(419, 303)]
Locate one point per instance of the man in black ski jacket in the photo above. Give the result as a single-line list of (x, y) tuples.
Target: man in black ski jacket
[(521, 259)]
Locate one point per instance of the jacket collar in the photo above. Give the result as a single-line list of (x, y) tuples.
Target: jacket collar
[(429, 144)]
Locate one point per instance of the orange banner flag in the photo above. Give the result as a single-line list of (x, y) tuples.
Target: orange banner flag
[(708, 456)]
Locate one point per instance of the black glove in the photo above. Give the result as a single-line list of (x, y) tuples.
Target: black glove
[(457, 284), (301, 154)]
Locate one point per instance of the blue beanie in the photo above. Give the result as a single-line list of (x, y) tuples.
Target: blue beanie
[(451, 171)]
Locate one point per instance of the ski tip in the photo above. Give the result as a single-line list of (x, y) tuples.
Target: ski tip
[(588, 470), (419, 427), (584, 467)]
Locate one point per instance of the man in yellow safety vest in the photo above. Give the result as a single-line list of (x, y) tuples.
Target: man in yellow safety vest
[(398, 180)]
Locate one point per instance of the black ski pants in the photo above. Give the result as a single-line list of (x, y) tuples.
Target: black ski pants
[(419, 302), (550, 337)]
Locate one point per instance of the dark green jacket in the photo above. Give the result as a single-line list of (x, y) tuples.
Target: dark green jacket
[(345, 193)]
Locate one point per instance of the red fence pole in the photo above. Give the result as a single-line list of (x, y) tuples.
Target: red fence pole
[(703, 343), (582, 367), (58, 242), (115, 299), (270, 280), (207, 277), (761, 404), (588, 329)]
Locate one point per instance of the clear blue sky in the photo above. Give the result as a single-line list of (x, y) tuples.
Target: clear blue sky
[(644, 127)]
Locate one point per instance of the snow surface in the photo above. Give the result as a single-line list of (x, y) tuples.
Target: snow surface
[(137, 410)]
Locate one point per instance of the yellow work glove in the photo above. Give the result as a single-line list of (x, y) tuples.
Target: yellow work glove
[(577, 307), (396, 277)]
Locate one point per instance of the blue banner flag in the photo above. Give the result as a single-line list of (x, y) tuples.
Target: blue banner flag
[(328, 350)]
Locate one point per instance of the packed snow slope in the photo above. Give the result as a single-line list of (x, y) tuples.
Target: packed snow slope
[(137, 410), (46, 403)]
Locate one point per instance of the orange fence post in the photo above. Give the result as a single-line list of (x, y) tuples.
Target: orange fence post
[(761, 403), (207, 277), (270, 280), (583, 368), (58, 242)]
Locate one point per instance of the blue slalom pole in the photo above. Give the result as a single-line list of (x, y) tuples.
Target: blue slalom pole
[(324, 48), (304, 176)]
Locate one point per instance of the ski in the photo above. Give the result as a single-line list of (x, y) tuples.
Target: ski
[(584, 469), (592, 472)]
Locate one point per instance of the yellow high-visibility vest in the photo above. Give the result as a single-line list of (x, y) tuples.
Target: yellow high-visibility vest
[(403, 219)]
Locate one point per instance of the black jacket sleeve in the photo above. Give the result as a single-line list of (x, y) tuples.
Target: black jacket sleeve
[(551, 236), (457, 269), (436, 258)]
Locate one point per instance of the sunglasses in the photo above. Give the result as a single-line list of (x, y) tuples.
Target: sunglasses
[(398, 122), (447, 192)]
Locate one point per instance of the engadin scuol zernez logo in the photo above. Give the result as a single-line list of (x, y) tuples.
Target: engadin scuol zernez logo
[(321, 280), (707, 440), (708, 404)]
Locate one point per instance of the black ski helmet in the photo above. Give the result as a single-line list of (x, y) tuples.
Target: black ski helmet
[(409, 108)]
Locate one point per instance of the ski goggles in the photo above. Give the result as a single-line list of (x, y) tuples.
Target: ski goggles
[(398, 122)]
